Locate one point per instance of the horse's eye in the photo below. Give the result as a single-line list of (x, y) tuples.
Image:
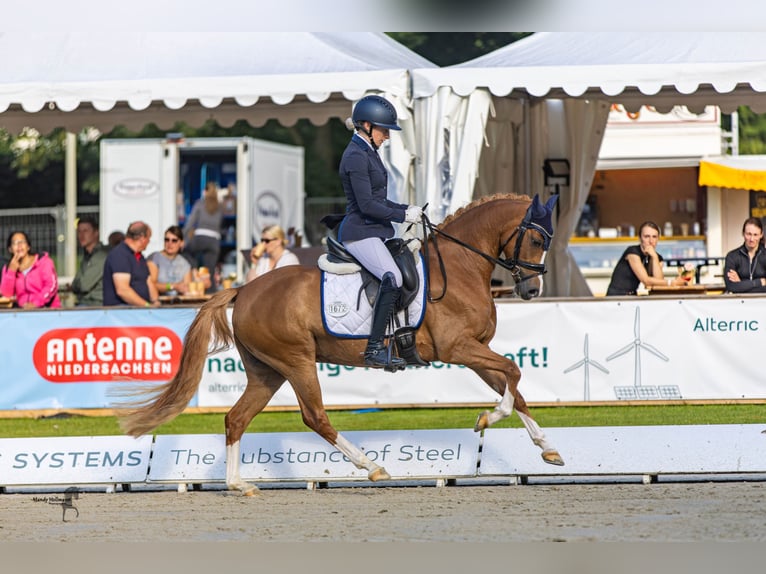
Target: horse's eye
[(537, 243)]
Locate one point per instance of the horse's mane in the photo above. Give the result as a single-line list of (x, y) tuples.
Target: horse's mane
[(476, 202)]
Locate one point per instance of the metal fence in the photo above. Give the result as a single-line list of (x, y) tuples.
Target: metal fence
[(45, 227), (315, 208)]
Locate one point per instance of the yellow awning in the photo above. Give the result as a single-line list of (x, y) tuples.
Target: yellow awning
[(720, 175)]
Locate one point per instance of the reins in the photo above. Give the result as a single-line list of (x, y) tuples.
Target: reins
[(514, 265)]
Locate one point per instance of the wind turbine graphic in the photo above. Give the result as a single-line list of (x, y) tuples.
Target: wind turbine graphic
[(585, 362), (637, 345)]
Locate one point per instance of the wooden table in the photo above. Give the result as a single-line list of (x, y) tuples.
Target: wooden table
[(183, 299), (696, 289)]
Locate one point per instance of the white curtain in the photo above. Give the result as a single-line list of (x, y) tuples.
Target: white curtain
[(400, 150), (585, 125), (450, 140), (476, 145)]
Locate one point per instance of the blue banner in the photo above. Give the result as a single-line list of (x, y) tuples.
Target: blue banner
[(75, 358)]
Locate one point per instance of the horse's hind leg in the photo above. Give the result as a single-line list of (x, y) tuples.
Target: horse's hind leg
[(315, 417), (512, 399), (262, 383)]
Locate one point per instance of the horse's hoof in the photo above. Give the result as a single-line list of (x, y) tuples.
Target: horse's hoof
[(244, 489), (552, 457), (482, 422), (378, 474)]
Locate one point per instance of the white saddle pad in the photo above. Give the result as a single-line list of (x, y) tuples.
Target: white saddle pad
[(346, 313)]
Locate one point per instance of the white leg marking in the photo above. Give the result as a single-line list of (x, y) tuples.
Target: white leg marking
[(355, 455), (233, 479), (503, 409), (232, 464), (536, 433)]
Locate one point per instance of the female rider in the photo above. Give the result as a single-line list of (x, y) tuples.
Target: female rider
[(369, 216)]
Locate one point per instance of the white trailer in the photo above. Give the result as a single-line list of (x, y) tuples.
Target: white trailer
[(158, 180)]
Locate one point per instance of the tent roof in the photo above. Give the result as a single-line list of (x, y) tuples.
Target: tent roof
[(634, 68), (78, 79)]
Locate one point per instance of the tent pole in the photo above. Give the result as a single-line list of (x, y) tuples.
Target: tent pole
[(70, 201), (527, 148)]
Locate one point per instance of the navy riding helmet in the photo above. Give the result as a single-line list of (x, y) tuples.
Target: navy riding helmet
[(376, 110)]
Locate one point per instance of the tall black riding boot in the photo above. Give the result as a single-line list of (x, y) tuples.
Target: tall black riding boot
[(377, 354)]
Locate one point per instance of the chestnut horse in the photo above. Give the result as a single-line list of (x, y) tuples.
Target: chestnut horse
[(278, 330)]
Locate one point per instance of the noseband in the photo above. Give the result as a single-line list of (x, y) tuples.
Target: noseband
[(514, 264)]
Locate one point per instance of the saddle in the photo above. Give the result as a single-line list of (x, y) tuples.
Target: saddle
[(341, 261)]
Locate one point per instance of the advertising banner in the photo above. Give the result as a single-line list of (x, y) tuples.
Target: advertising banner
[(678, 449), (302, 456), (587, 350), (80, 358), (74, 460), (645, 348)]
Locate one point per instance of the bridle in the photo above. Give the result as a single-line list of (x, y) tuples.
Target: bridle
[(512, 264)]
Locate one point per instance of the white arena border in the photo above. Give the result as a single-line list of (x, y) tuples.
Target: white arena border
[(440, 456)]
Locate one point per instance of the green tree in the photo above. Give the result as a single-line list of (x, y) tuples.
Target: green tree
[(449, 48), (752, 131)]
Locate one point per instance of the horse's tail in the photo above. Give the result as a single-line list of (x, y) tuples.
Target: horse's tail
[(167, 401)]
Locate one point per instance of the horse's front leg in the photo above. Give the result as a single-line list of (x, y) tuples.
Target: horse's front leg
[(315, 417), (505, 383), (550, 453)]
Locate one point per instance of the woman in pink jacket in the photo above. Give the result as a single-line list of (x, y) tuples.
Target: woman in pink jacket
[(29, 276)]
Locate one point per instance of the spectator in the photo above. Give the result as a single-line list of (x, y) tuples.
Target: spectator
[(126, 273), (29, 276), (87, 284), (745, 266), (203, 229), (169, 270), (640, 264), (270, 253), (115, 238)]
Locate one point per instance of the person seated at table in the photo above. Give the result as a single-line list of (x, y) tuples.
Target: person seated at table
[(168, 269), (640, 264), (270, 253), (115, 238), (126, 273), (745, 266), (87, 284), (29, 276)]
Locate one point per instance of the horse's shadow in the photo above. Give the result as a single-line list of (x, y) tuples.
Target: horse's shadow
[(70, 494)]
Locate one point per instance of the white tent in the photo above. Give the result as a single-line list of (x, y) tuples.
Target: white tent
[(102, 79), (492, 121)]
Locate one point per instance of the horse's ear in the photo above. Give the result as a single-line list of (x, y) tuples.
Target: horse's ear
[(551, 202), (536, 208)]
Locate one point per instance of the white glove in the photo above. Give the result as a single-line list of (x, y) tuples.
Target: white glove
[(414, 214)]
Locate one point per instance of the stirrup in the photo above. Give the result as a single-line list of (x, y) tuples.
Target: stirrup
[(379, 356)]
